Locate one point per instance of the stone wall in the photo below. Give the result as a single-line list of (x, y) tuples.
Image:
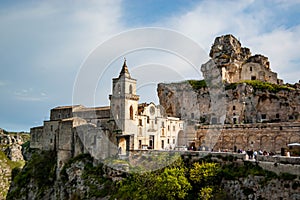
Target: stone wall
[(270, 137)]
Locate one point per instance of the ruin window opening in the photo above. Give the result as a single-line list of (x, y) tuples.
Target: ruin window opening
[(162, 144), (250, 69), (253, 78), (263, 116)]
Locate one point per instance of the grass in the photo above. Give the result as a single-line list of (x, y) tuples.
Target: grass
[(260, 85)]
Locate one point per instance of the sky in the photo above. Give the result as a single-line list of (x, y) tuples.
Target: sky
[(45, 45)]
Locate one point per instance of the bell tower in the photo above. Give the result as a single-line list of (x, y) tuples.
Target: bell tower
[(124, 101)]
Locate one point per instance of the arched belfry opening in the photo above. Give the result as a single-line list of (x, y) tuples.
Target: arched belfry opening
[(131, 112)]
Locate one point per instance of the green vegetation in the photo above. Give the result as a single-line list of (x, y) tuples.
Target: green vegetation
[(11, 164), (260, 85), (178, 180), (168, 183), (40, 169), (197, 84)]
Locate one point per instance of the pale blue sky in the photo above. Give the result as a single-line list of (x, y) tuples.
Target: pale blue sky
[(44, 43)]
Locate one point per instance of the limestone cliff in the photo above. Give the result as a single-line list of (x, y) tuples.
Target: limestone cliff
[(241, 85), (11, 157)]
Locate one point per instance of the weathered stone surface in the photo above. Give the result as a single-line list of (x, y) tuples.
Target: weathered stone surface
[(14, 152), (252, 188)]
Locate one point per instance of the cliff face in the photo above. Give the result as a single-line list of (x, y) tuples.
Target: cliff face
[(237, 87), (11, 157), (248, 102)]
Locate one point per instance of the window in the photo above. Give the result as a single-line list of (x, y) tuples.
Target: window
[(173, 141), (130, 89), (253, 78), (162, 132), (250, 69), (173, 128), (140, 132), (140, 122), (277, 115), (168, 141), (168, 127), (140, 144), (131, 112), (162, 144), (163, 124), (148, 120), (118, 89), (233, 107), (263, 116)]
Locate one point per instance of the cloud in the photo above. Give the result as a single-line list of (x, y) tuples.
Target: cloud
[(256, 24), (30, 95)]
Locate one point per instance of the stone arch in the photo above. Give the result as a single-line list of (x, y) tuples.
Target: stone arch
[(265, 143), (280, 142), (227, 143), (181, 139), (251, 142), (294, 139), (239, 142)]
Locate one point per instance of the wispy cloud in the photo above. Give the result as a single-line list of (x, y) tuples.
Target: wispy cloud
[(30, 95), (254, 23)]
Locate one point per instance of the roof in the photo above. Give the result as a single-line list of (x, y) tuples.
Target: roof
[(66, 107), (103, 108)]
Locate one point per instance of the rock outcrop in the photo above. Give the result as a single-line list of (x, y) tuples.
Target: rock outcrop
[(11, 157)]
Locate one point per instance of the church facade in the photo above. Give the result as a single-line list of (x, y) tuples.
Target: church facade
[(122, 126)]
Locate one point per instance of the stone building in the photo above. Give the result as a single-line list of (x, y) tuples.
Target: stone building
[(240, 103), (237, 63), (104, 131)]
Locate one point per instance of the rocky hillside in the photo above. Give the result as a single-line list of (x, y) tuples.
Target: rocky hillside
[(207, 178), (11, 157), (245, 101)]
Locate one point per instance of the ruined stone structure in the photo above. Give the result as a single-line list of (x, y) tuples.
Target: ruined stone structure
[(241, 104), (105, 131), (236, 62)]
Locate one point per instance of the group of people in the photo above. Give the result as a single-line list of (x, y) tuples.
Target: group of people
[(253, 154)]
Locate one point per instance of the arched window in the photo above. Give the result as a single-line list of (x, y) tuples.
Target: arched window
[(130, 89), (117, 112), (118, 89), (131, 112)]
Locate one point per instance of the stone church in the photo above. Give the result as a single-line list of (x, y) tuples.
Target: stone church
[(105, 131)]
